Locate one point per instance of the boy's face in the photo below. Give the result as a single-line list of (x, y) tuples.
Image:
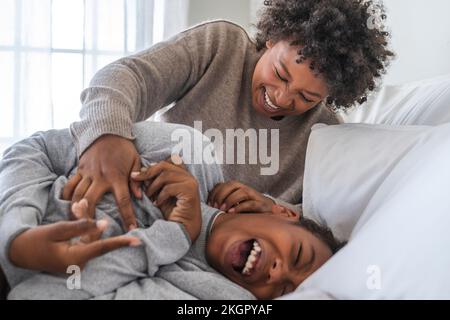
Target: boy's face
[(283, 87), (268, 254)]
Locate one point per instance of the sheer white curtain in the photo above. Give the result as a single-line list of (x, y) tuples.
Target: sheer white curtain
[(50, 49)]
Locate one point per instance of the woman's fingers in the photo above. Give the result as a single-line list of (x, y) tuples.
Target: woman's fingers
[(135, 186), (235, 198), (92, 195), (81, 189), (222, 193), (212, 194), (70, 186), (123, 199), (80, 209)]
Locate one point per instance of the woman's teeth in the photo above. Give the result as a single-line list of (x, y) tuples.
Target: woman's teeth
[(252, 258), (269, 105)]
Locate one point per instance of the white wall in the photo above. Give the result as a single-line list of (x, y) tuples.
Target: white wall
[(237, 11), (420, 37), (420, 32)]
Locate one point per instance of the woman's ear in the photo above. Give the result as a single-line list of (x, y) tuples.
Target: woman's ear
[(269, 44), (285, 213)]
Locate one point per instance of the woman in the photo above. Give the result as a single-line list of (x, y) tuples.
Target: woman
[(307, 52)]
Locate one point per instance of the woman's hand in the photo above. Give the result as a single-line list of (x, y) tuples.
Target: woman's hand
[(236, 197), (105, 167), (51, 247), (175, 192)]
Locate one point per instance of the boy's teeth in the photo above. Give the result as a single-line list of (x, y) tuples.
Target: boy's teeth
[(252, 257)]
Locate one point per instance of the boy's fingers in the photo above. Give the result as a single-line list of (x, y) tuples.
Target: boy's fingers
[(169, 191), (96, 233), (123, 200), (95, 249), (148, 173), (155, 170), (70, 186), (66, 230), (166, 177), (176, 160)]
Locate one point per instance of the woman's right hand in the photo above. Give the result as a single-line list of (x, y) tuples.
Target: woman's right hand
[(105, 167), (50, 248)]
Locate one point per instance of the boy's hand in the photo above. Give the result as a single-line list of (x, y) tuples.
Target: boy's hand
[(236, 197), (50, 248), (175, 192)]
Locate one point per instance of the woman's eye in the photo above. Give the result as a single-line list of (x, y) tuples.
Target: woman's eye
[(279, 76), (304, 98)]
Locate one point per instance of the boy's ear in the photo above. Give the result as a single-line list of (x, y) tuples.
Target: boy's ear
[(285, 213)]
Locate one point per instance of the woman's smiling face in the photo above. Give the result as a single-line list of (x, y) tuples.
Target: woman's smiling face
[(283, 87)]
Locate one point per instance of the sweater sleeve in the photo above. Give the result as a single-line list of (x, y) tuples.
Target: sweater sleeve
[(135, 87), (164, 242), (27, 172)]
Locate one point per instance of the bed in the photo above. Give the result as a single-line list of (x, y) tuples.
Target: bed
[(383, 185)]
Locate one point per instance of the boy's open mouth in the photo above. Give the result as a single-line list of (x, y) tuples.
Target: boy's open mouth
[(245, 256)]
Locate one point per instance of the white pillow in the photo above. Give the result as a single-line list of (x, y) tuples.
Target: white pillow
[(398, 242), (346, 164), (425, 102)]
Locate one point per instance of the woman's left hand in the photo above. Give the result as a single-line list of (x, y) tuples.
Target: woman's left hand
[(236, 197)]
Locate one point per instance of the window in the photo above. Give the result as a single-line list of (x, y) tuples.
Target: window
[(50, 49)]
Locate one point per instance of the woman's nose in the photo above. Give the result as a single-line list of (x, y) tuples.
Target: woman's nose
[(283, 99)]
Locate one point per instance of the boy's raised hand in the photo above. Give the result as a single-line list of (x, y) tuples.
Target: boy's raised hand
[(55, 247), (236, 197), (175, 192)]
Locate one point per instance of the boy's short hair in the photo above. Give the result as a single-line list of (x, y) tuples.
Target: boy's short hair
[(338, 36), (323, 233)]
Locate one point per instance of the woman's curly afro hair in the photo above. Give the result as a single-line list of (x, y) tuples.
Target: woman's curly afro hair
[(335, 36)]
